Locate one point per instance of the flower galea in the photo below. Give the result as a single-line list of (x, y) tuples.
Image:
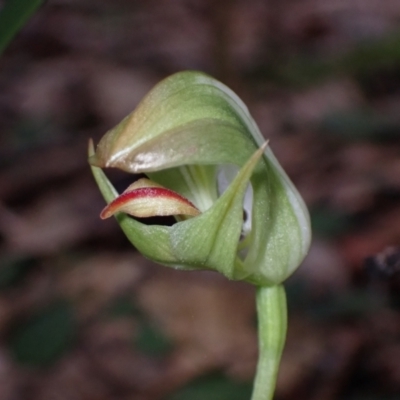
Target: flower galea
[(186, 134), (236, 210)]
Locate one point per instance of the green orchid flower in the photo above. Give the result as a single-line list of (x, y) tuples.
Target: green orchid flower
[(208, 165)]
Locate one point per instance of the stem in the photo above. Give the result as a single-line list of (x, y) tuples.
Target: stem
[(272, 322)]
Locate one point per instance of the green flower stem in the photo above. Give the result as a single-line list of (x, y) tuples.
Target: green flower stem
[(272, 323)]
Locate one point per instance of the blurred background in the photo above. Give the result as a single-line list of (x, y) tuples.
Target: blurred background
[(84, 317)]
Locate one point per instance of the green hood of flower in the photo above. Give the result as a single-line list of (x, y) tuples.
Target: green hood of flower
[(189, 133)]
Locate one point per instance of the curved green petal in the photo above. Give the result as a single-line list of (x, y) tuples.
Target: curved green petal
[(143, 237), (189, 118), (210, 240)]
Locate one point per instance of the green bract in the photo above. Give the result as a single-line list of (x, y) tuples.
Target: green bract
[(185, 133)]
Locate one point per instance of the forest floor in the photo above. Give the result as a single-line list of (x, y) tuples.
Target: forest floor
[(83, 316)]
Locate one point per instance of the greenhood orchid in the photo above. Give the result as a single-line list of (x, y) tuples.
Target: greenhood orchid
[(207, 164)]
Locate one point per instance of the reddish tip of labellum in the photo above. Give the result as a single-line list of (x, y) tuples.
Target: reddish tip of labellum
[(129, 197)]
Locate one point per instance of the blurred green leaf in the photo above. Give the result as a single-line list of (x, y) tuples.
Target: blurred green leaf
[(350, 304), (328, 223), (214, 387), (45, 337), (123, 306), (373, 54), (152, 341), (14, 269), (302, 70), (13, 16), (360, 125)]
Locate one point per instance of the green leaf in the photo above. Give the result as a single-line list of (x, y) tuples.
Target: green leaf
[(152, 341), (13, 16), (360, 125), (14, 268), (45, 337)]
